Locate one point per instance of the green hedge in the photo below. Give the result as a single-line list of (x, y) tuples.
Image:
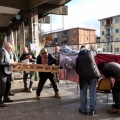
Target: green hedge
[(2, 36)]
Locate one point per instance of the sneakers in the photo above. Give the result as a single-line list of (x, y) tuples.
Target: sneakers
[(114, 111), (11, 93), (24, 90), (80, 111), (30, 90), (57, 95), (92, 112), (7, 100), (2, 104)]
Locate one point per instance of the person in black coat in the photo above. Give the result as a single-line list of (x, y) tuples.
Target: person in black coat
[(31, 57), (88, 73), (46, 58), (112, 69)]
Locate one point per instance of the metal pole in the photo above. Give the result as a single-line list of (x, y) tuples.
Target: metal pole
[(51, 23), (63, 22)]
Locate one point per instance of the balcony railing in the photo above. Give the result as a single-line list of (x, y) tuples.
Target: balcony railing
[(108, 35), (109, 25)]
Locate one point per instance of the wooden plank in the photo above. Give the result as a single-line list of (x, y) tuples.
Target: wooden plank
[(35, 67)]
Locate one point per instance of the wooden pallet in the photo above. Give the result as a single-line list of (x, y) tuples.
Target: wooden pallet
[(36, 67)]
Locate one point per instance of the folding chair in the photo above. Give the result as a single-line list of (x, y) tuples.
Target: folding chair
[(105, 86)]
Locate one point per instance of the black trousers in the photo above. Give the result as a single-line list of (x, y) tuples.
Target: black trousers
[(3, 80), (116, 94), (43, 78), (8, 85)]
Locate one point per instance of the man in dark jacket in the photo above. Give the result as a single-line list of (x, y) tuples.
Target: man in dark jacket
[(112, 69), (5, 64), (27, 55), (46, 58), (88, 73)]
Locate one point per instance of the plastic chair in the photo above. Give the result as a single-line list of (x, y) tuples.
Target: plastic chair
[(105, 86)]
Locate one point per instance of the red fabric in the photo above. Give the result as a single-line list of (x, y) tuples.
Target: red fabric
[(100, 58), (74, 78)]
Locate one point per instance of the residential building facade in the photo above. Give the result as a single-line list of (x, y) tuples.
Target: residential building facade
[(110, 34), (74, 38)]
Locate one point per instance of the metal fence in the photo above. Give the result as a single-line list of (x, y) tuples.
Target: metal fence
[(107, 47)]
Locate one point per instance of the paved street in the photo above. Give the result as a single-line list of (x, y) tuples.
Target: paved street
[(26, 107)]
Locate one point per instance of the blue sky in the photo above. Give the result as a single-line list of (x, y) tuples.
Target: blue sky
[(85, 13)]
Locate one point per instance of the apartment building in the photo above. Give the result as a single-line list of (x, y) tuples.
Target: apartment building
[(74, 37), (110, 34)]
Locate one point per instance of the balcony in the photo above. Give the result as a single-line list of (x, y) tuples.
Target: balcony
[(108, 26), (108, 35)]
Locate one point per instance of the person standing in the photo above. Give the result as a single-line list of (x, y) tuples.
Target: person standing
[(56, 54), (46, 58), (10, 76), (57, 57), (27, 55), (112, 69), (5, 65), (88, 73)]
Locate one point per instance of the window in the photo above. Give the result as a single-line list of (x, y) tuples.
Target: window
[(117, 39), (54, 35), (104, 50), (65, 33), (103, 40), (74, 31), (102, 32), (73, 39), (116, 49), (102, 23), (107, 50), (87, 31), (86, 38), (116, 21), (116, 30)]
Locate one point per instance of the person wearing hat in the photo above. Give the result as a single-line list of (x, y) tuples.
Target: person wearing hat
[(46, 58)]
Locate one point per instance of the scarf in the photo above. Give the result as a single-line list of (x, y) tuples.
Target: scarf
[(44, 59), (7, 57)]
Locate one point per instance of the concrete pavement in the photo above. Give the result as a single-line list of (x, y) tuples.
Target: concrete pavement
[(26, 107)]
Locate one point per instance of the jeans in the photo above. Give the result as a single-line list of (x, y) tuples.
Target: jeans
[(116, 94), (25, 76), (83, 95)]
